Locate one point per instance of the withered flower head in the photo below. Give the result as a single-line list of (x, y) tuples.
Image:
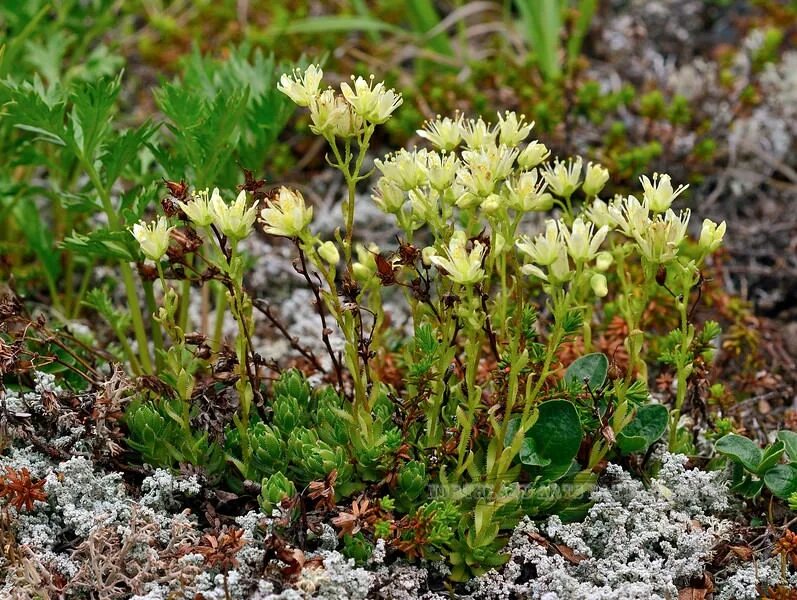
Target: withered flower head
[(20, 490)]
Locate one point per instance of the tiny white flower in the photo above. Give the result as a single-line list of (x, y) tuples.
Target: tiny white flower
[(711, 235), (301, 87), (659, 242), (407, 170), (234, 220), (462, 266), (594, 179), (288, 216), (582, 244), (441, 170), (598, 213), (445, 133), (388, 196), (512, 130), (332, 116), (477, 134), (545, 248), (526, 192), (630, 215), (563, 177), (153, 237), (533, 154), (374, 103), (198, 210), (659, 193)]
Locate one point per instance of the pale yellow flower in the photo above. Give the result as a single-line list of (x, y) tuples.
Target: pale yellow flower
[(198, 210), (233, 220), (288, 216), (153, 237), (374, 103), (512, 130), (711, 235), (594, 179), (563, 177), (445, 133), (581, 239), (659, 193), (300, 87), (462, 266)]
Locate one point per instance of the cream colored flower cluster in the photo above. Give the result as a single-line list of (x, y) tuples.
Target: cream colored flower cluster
[(234, 220), (656, 229), (342, 115), (490, 172), (481, 166)]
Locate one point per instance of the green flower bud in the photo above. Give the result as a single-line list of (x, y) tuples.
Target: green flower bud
[(603, 260), (598, 284), (274, 490), (329, 252), (412, 479)]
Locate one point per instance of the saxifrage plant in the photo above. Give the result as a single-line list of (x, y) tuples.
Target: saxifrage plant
[(481, 429)]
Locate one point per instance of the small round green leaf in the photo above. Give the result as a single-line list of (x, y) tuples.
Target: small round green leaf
[(648, 426), (590, 369), (555, 437), (781, 480), (740, 449), (789, 439)]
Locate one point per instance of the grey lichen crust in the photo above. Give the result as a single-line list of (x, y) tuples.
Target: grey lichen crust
[(636, 541)]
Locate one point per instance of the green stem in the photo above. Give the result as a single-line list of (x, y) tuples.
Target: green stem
[(157, 335), (127, 271), (221, 308)]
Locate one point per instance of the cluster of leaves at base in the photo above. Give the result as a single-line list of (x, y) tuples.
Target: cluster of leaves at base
[(754, 468), (305, 435)]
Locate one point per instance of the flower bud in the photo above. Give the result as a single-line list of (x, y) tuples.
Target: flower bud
[(711, 235), (329, 252), (598, 284), (491, 204), (594, 180), (603, 260), (427, 254)]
